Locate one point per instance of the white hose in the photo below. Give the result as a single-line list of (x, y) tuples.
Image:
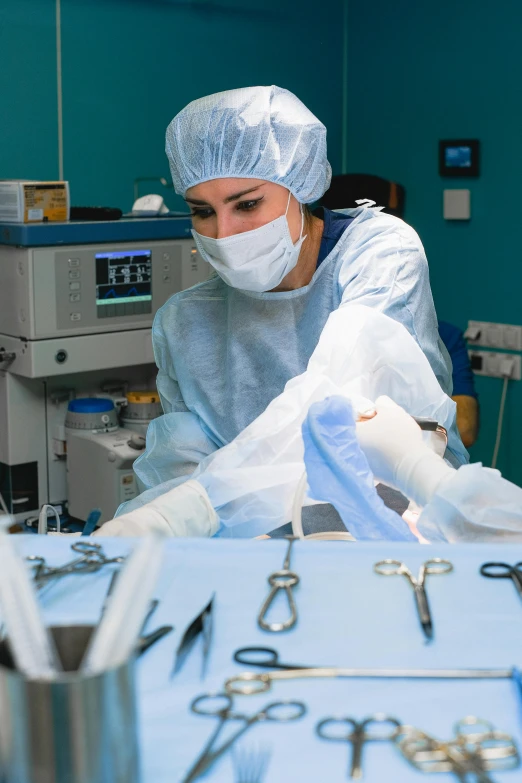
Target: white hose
[(297, 516), (3, 505), (42, 519), (297, 519), (500, 423)]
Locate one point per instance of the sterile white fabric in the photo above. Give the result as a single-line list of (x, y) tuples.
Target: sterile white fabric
[(224, 354), (474, 504), (255, 133), (361, 353), (183, 511), (254, 260), (398, 455)]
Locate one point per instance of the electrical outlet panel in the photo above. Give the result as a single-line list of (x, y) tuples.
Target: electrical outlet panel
[(507, 337), (492, 365)]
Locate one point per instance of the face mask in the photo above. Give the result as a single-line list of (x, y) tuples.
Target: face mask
[(255, 260)]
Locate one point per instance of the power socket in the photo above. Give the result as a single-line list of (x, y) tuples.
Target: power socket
[(489, 364), (490, 335)]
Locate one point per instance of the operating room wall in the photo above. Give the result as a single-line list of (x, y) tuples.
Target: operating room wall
[(420, 72), (128, 66)]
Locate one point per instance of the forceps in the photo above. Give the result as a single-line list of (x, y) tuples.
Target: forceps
[(201, 625), (355, 732), (281, 580), (92, 559), (504, 571), (476, 749), (434, 566), (219, 705)]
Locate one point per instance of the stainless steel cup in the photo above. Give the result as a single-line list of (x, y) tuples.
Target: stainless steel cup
[(75, 729)]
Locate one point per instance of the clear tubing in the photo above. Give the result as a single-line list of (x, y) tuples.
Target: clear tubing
[(117, 634)]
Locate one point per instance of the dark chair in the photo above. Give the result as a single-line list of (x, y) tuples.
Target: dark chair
[(347, 188)]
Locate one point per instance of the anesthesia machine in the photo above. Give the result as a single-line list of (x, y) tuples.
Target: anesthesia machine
[(77, 372)]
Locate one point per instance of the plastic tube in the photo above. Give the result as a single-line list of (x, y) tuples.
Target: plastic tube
[(42, 519), (297, 519), (118, 632), (30, 642)]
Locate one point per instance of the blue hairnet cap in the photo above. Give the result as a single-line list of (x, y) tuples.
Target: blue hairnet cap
[(254, 132)]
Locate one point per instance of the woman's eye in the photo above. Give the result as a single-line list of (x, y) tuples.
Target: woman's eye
[(202, 213), (248, 205)]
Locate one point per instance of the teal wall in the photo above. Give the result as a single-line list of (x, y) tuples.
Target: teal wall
[(130, 65), (28, 124), (420, 72)]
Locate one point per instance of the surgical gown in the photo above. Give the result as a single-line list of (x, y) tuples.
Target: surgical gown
[(224, 354)]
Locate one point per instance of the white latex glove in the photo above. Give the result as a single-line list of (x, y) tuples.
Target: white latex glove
[(393, 444), (183, 512)]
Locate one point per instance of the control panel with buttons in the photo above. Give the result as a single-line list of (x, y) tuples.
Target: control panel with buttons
[(88, 289), (110, 287)]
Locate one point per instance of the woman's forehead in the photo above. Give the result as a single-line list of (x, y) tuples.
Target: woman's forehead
[(226, 187)]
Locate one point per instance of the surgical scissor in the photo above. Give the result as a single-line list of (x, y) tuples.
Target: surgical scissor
[(434, 566), (220, 705), (281, 580), (92, 559), (249, 683), (265, 657), (504, 571), (356, 732)]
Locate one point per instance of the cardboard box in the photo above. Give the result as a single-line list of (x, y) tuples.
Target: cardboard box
[(27, 201)]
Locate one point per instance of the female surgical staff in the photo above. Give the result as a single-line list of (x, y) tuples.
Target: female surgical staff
[(249, 162)]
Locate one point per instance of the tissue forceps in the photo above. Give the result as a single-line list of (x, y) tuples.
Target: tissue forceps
[(356, 732), (220, 705), (280, 580), (434, 566), (92, 558)]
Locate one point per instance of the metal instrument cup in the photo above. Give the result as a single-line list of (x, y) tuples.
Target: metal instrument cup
[(74, 729)]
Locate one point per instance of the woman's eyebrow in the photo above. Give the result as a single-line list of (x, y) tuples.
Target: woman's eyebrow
[(195, 201), (228, 199), (242, 193)]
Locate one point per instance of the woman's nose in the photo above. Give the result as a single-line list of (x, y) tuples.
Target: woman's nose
[(226, 226)]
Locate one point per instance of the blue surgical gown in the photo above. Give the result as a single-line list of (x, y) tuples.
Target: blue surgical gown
[(223, 354)]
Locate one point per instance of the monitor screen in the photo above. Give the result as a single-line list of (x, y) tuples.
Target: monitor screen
[(457, 157), (123, 283)]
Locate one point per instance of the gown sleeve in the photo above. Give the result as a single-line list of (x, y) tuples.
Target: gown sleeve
[(385, 268), (176, 441), (475, 505)]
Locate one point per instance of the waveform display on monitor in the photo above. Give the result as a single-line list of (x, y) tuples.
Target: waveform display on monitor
[(112, 293), (125, 275)]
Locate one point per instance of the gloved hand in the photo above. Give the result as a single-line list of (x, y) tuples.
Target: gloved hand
[(397, 455), (183, 511), (338, 473)]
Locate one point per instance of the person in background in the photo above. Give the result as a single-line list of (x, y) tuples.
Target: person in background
[(464, 392)]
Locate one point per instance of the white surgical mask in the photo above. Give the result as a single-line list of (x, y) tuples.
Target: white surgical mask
[(255, 260)]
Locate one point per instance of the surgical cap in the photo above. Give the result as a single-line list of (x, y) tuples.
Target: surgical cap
[(254, 132)]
